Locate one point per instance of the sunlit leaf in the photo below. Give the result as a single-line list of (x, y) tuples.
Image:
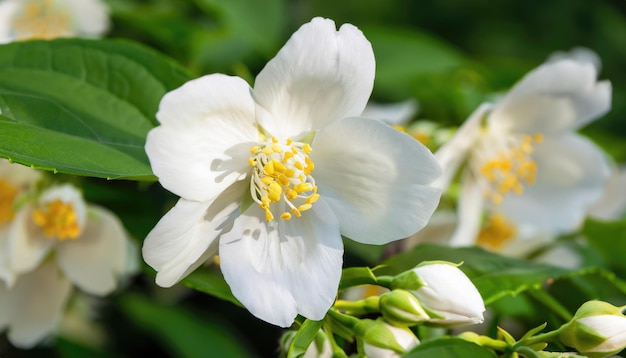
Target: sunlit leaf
[(82, 107)]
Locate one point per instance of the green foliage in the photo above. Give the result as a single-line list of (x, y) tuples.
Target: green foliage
[(82, 107), (303, 338)]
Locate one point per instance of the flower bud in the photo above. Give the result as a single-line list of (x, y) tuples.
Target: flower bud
[(446, 294), (402, 309), (320, 347), (403, 338), (598, 329)]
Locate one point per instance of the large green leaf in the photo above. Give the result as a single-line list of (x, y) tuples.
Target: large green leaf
[(449, 348), (495, 276), (185, 334), (82, 107)]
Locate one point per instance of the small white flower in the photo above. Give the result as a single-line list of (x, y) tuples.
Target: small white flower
[(49, 19), (445, 292), (16, 181), (273, 176), (405, 338), (89, 247), (523, 157)]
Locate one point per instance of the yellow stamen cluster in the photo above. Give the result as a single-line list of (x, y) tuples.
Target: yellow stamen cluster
[(7, 196), (282, 173), (511, 170), (58, 220), (41, 20), (496, 231)]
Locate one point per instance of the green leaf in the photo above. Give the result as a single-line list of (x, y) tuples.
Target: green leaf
[(609, 238), (211, 283), (495, 276), (354, 276), (82, 107), (448, 348), (303, 338), (184, 333)]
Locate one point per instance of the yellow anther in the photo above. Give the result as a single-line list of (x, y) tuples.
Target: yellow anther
[(275, 191), (41, 20), (511, 169), (538, 137), (399, 128), (496, 232), (307, 148), (281, 172), (254, 150), (303, 187), (313, 198), (304, 207), (7, 196), (57, 219)]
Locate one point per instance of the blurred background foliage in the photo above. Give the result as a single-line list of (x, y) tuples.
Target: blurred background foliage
[(449, 55)]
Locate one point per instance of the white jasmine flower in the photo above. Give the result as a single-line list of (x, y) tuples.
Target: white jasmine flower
[(16, 181), (273, 176), (49, 19), (523, 157), (87, 246)]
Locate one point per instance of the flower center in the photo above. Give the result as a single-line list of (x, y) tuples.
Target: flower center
[(41, 20), (281, 179), (57, 219), (496, 232), (7, 195), (511, 169)]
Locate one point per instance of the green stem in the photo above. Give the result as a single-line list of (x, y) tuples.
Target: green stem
[(540, 338), (384, 281), (365, 306), (549, 301), (343, 319), (337, 350)]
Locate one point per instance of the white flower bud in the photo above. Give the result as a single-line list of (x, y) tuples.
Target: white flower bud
[(403, 336), (444, 291)]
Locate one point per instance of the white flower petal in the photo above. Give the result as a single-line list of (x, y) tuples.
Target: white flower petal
[(553, 98), (182, 239), (8, 11), (571, 174), (203, 143), (469, 209), (375, 178), (282, 268), (91, 17), (580, 54), (612, 204), (399, 113), (95, 260), (321, 75), (452, 154), (27, 244), (36, 303), (20, 176)]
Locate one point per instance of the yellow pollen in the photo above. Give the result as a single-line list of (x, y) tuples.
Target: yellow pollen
[(7, 196), (41, 20), (511, 170), (496, 231), (57, 219), (281, 178)]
